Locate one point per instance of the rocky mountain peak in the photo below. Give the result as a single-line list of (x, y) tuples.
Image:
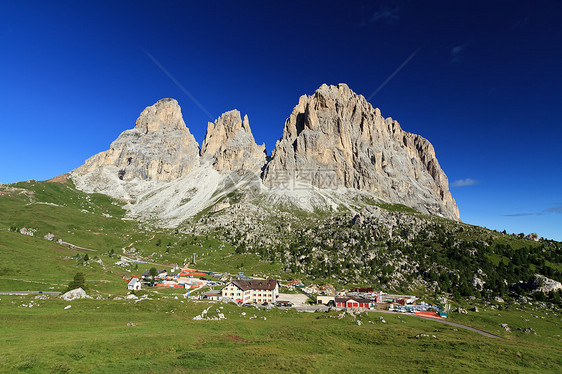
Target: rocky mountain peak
[(229, 141), (159, 147), (335, 138), (335, 148), (165, 114)]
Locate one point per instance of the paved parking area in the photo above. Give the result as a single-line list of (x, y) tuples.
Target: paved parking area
[(297, 299)]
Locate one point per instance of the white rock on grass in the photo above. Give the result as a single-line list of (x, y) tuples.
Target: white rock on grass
[(77, 293), (68, 307)]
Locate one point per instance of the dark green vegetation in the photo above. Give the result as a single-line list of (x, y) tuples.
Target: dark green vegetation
[(160, 336), (79, 281), (405, 251)]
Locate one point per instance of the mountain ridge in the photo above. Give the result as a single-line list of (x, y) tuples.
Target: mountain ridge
[(333, 136)]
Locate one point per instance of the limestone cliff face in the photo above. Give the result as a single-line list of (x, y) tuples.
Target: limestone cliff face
[(160, 147), (231, 145), (335, 138)]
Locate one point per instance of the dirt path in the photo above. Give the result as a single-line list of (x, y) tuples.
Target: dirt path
[(481, 332), (75, 247), (19, 293)]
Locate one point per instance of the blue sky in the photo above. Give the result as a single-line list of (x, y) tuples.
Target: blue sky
[(480, 79)]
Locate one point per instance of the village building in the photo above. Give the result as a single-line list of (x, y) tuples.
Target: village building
[(252, 291), (325, 299), (363, 290), (241, 276), (374, 297), (134, 284), (161, 274), (352, 302), (210, 295), (400, 299)]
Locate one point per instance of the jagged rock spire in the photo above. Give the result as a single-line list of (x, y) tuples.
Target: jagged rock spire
[(229, 141), (335, 138)]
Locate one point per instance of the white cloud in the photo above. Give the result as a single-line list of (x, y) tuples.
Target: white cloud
[(555, 209), (457, 53), (464, 182), (386, 14)]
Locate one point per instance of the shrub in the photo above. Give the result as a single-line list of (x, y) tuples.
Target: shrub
[(79, 281)]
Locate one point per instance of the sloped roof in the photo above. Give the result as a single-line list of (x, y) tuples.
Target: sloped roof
[(256, 284), (147, 272), (211, 293), (360, 300), (355, 299)]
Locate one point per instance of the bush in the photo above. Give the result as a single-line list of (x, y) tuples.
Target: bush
[(79, 281)]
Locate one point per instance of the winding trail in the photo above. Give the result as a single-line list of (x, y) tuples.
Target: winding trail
[(481, 332), (20, 293)]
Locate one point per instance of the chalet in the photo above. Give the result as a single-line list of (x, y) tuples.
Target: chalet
[(324, 299), (241, 276), (252, 291), (374, 297), (161, 274), (210, 295), (400, 299), (296, 283), (134, 284), (363, 289), (352, 302)]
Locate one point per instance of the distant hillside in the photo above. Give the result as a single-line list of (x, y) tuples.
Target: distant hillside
[(386, 246)]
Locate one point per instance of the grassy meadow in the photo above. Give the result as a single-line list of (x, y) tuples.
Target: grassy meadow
[(159, 335)]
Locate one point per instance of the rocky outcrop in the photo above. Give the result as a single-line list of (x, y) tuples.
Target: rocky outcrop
[(231, 145), (335, 139), (160, 147), (545, 285)]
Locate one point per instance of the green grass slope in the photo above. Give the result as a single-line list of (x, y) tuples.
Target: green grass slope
[(98, 223), (160, 336)]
